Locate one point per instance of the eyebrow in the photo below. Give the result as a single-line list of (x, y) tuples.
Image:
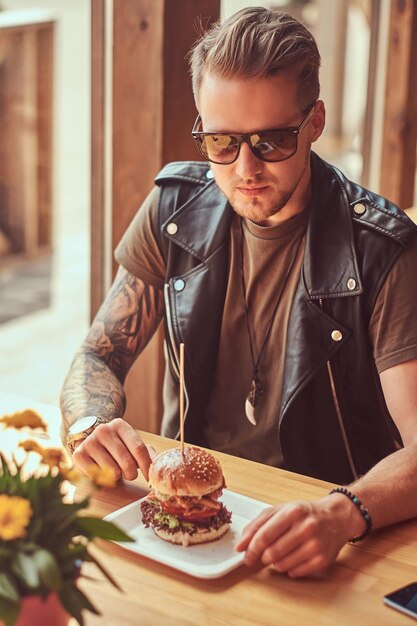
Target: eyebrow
[(250, 132)]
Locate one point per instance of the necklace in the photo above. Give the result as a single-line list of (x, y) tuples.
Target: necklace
[(256, 388)]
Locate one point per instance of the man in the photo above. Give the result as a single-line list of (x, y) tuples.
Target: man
[(293, 291)]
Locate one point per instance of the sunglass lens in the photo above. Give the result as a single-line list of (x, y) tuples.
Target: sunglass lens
[(220, 148), (274, 145)]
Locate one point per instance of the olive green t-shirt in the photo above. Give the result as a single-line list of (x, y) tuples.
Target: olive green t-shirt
[(265, 254)]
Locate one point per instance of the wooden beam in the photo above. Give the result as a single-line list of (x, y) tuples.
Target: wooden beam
[(152, 113), (370, 108), (45, 73), (398, 164), (26, 94), (97, 287), (153, 105)]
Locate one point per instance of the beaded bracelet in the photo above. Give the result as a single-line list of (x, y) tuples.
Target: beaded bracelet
[(362, 510)]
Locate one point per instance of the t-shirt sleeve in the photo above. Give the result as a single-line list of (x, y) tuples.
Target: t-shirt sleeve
[(138, 249), (393, 325)]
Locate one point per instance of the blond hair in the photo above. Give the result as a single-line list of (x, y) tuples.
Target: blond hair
[(258, 43)]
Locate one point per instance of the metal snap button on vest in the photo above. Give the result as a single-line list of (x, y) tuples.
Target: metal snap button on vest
[(359, 208), (351, 284), (179, 284), (209, 174), (172, 228), (336, 335)]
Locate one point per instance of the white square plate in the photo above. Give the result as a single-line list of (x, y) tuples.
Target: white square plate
[(207, 560)]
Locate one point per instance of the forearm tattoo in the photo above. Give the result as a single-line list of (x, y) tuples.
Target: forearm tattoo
[(123, 326)]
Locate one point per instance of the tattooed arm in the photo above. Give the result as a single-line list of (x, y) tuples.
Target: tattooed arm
[(123, 326)]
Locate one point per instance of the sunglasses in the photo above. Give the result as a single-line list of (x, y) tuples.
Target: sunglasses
[(272, 145)]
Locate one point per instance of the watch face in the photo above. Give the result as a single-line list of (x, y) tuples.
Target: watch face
[(83, 424)]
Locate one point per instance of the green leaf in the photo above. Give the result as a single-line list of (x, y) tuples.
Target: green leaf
[(104, 571), (62, 514), (5, 471), (5, 553), (38, 569), (95, 527), (27, 546), (35, 528), (25, 568), (8, 589), (9, 611), (74, 602), (48, 569)]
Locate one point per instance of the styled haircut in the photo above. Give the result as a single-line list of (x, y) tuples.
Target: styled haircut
[(258, 43)]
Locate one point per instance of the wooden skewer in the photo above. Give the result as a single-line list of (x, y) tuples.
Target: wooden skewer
[(182, 396)]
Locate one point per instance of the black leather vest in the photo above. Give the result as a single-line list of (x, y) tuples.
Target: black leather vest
[(333, 420)]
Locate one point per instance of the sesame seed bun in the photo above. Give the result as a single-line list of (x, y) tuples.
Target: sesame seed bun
[(193, 473), (185, 539)]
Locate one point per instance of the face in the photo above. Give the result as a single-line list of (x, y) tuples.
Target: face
[(265, 193)]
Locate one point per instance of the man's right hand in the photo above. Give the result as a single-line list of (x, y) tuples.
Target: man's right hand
[(116, 445)]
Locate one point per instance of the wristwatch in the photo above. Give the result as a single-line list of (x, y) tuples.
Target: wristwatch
[(81, 429)]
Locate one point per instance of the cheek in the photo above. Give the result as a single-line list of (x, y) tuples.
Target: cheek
[(223, 175)]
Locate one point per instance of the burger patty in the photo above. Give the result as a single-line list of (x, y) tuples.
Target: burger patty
[(154, 516)]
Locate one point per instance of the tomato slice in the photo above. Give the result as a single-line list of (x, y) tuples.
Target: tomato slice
[(188, 514), (172, 510), (196, 515)]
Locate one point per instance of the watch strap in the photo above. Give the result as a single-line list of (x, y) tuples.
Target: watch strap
[(72, 438)]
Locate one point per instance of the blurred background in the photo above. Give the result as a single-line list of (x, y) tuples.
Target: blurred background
[(81, 85)]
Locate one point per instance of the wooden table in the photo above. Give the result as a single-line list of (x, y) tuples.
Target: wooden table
[(155, 595)]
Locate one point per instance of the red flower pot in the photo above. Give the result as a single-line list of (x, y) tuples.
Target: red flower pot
[(38, 612)]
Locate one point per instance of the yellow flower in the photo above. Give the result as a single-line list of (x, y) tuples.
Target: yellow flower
[(72, 475), (28, 418), (15, 514), (31, 446), (53, 457), (102, 476)]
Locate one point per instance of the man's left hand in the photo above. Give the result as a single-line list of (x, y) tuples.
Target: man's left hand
[(301, 538)]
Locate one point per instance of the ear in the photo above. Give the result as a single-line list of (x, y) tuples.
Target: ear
[(318, 120)]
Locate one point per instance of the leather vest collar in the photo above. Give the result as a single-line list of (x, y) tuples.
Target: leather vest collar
[(330, 262), (329, 234), (207, 214)]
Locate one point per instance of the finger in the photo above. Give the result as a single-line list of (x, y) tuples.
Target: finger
[(281, 548), (252, 527), (135, 445), (271, 531), (82, 461), (311, 567), (106, 448), (304, 551)]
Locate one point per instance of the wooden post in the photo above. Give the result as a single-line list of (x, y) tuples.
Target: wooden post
[(146, 124), (98, 42), (370, 108), (398, 164), (331, 32), (26, 75)]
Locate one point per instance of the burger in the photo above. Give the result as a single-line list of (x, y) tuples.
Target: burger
[(183, 506)]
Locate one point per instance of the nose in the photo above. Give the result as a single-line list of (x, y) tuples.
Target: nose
[(247, 164)]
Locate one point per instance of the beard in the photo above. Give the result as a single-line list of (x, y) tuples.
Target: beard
[(260, 209), (256, 210)]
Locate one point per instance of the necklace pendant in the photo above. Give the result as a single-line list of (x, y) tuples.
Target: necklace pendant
[(250, 412), (252, 400)]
